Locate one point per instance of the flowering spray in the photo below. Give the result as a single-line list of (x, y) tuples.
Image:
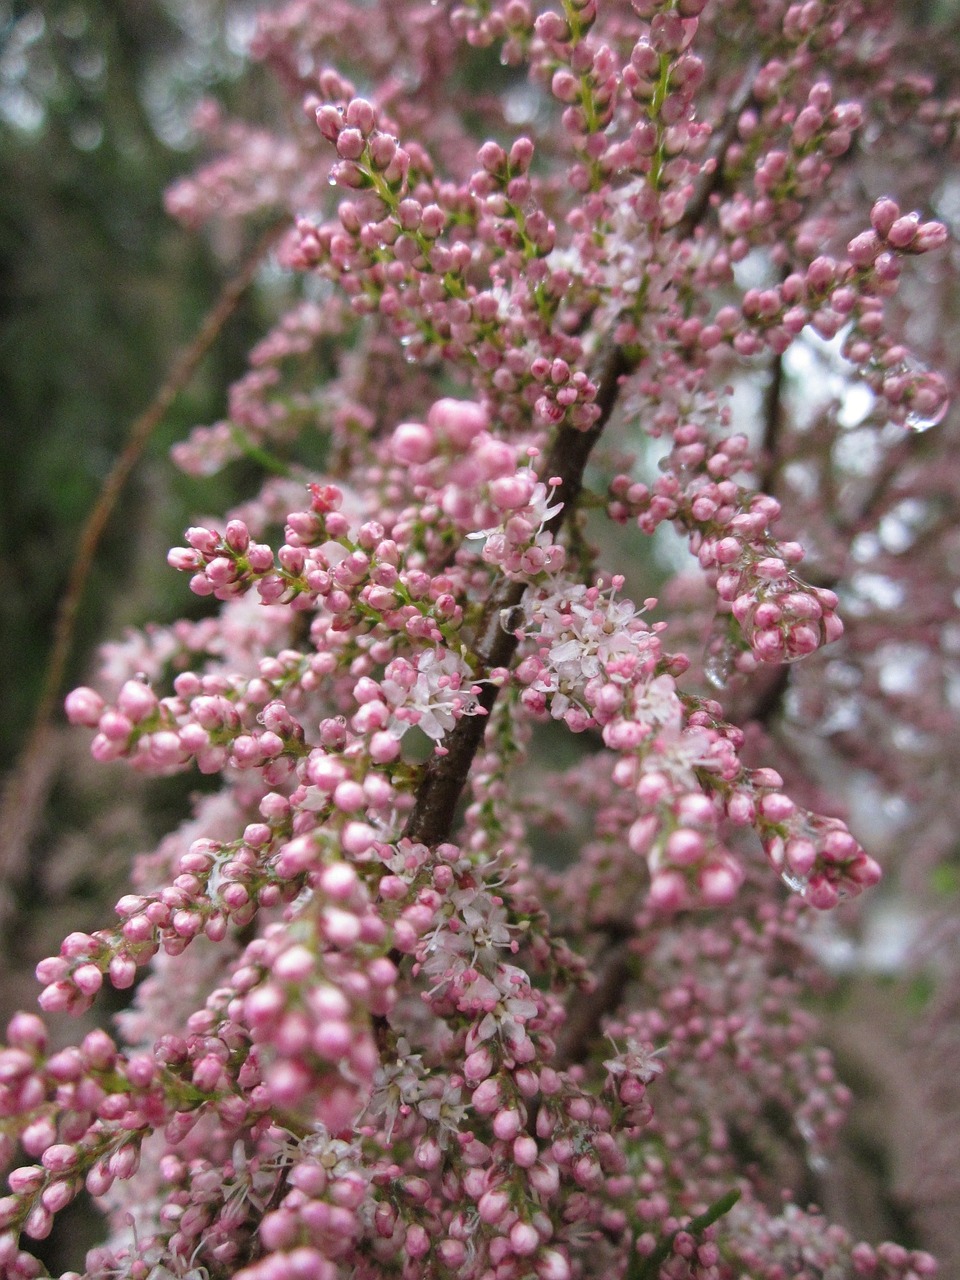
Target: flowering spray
[(414, 999)]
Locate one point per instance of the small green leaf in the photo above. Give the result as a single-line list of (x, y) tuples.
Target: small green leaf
[(647, 1268)]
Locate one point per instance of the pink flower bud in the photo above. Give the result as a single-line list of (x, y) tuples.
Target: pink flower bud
[(929, 236), (99, 1180), (486, 1096), (38, 1224), (84, 706), (492, 157), (884, 214), (668, 891), (329, 121), (427, 1154), (719, 883), (685, 847), (864, 248), (552, 1264), (417, 1243), (524, 1239), (507, 1124), (460, 421), (904, 230), (820, 893), (26, 1031)]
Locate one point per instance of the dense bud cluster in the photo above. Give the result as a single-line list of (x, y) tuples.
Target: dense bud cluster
[(419, 999)]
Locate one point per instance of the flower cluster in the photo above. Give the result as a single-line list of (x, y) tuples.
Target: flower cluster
[(487, 958)]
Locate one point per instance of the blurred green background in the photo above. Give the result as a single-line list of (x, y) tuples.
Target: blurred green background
[(98, 291)]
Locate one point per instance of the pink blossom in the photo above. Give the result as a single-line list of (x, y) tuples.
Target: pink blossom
[(380, 979)]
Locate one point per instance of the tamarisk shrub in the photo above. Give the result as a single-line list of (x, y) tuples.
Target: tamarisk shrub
[(416, 1000)]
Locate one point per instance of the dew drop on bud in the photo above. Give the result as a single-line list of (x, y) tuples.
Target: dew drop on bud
[(795, 883), (721, 652), (718, 665), (917, 423), (816, 1160), (511, 619)]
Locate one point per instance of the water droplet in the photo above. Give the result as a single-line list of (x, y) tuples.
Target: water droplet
[(721, 652), (669, 466), (511, 620), (718, 666), (794, 882), (924, 395), (917, 424), (816, 1160)]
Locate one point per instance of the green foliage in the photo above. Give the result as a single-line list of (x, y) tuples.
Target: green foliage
[(98, 289)]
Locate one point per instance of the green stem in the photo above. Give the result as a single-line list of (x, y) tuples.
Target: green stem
[(259, 455), (647, 1268)]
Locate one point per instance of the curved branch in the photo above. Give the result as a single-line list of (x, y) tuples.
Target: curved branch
[(584, 1017), (26, 787)]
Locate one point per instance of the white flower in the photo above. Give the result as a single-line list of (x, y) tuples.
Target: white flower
[(432, 695), (584, 633), (680, 752), (513, 1010), (657, 703), (638, 1060), (397, 1087)]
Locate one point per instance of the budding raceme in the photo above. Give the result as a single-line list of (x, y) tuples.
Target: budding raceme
[(362, 1048)]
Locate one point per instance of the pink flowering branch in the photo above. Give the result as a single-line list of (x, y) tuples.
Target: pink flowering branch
[(446, 777), (375, 1033)]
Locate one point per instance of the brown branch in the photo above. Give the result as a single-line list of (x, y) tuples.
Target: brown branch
[(772, 425), (769, 701), (587, 1011), (431, 821), (27, 786), (711, 176), (434, 809)]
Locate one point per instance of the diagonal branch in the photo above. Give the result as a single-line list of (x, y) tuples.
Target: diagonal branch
[(432, 818), (611, 974), (711, 175), (612, 967), (433, 813), (28, 783)]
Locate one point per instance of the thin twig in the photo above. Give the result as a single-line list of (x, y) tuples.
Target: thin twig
[(711, 176), (27, 786)]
